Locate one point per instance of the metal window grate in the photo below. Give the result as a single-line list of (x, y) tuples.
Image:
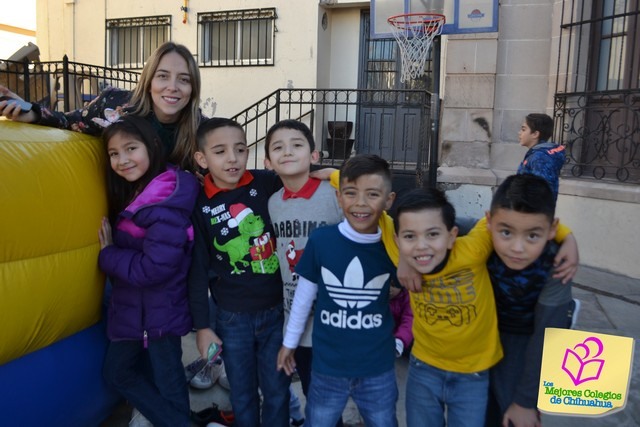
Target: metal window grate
[(238, 38), (130, 41)]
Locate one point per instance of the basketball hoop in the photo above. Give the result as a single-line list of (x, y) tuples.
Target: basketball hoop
[(414, 33)]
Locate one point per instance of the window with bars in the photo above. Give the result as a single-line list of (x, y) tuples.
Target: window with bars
[(130, 41), (597, 100), (616, 46), (236, 38)]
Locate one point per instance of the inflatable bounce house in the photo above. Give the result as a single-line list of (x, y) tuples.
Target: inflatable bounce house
[(52, 336)]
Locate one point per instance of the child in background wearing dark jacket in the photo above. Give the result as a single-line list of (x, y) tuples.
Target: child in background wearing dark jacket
[(544, 158), (147, 258), (402, 319)]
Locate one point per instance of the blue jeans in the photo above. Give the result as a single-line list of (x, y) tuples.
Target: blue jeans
[(250, 345), (295, 407), (506, 375), (152, 380), (431, 390), (374, 396), (304, 357)]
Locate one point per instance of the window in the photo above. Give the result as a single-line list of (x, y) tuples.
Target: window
[(236, 38), (616, 49), (597, 101), (130, 41)]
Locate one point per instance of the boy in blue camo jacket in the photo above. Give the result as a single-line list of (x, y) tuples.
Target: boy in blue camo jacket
[(544, 158)]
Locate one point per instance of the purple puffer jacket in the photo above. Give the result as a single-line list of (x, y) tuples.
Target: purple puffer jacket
[(149, 260), (402, 318)]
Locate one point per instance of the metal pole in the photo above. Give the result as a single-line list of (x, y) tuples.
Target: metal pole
[(435, 114), (65, 81), (25, 75)]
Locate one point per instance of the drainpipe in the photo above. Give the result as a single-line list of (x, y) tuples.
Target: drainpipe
[(73, 27), (435, 114)]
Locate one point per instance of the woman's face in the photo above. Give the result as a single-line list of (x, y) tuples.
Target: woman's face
[(170, 87)]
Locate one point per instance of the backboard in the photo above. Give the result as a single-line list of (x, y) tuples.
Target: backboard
[(463, 16)]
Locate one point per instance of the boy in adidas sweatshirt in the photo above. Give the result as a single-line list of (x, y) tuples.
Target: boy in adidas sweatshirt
[(346, 270)]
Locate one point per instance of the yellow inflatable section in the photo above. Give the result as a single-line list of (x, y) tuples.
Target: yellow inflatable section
[(52, 198)]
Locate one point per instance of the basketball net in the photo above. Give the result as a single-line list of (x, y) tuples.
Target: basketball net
[(414, 33)]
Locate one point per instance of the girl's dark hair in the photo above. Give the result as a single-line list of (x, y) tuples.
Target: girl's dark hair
[(121, 192), (289, 124), (420, 199)]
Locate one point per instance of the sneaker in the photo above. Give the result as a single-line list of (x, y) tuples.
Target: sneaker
[(214, 416), (208, 376), (202, 380), (193, 368), (139, 420), (576, 310), (217, 368)]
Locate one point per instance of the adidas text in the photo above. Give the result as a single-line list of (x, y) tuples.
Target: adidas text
[(355, 321)]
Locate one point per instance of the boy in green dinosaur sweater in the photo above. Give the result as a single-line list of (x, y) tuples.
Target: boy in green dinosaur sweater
[(235, 239)]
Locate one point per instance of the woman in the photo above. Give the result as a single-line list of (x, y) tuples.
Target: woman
[(167, 94)]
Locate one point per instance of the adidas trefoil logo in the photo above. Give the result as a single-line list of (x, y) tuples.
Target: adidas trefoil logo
[(352, 292)]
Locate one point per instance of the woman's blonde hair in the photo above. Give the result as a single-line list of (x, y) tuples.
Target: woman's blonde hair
[(185, 147)]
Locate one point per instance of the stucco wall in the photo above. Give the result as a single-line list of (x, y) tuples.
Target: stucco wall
[(345, 38), (606, 231)]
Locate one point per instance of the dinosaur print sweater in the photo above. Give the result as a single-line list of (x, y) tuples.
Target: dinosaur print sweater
[(234, 240)]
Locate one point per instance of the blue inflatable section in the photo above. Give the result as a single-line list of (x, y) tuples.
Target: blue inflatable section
[(58, 386)]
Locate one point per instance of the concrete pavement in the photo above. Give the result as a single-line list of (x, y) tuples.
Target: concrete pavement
[(610, 305)]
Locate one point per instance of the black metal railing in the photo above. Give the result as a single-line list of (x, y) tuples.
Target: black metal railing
[(62, 85), (601, 132), (395, 124)]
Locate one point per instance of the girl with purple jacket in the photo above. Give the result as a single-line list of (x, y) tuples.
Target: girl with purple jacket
[(402, 319), (147, 255)]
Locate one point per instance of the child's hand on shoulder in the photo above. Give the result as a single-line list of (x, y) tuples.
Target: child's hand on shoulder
[(323, 174), (204, 338), (286, 361), (409, 278), (567, 260), (200, 174), (104, 234)]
